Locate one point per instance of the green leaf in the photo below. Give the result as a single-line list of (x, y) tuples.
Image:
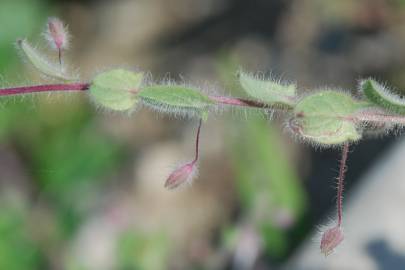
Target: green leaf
[(322, 118), (268, 91), (116, 89), (41, 63), (30, 17), (177, 100), (380, 95)]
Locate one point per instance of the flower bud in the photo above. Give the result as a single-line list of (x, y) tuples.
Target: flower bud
[(331, 238), (56, 34), (183, 174)]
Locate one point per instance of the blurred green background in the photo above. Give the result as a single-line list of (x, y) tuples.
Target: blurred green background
[(82, 189)]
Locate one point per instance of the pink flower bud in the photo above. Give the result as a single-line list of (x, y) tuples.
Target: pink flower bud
[(183, 174), (331, 238), (56, 34)]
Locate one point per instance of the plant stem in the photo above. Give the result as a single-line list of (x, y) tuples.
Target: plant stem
[(380, 118), (60, 56), (44, 88), (197, 142), (85, 86), (342, 170), (239, 102)]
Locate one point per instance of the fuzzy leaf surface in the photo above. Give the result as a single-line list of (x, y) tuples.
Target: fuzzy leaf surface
[(381, 96), (323, 117), (41, 63), (116, 89), (176, 99), (268, 91)]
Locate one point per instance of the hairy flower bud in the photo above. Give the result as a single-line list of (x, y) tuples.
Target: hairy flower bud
[(56, 34), (331, 238), (183, 174)]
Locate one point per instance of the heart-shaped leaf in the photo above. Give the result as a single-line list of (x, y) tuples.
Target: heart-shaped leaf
[(324, 118), (116, 89)]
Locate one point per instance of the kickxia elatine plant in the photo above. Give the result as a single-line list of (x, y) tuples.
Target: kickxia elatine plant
[(323, 118)]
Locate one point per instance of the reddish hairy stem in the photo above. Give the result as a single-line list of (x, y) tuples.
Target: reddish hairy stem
[(43, 88), (380, 118), (232, 101), (197, 142), (239, 102), (85, 86), (342, 170)]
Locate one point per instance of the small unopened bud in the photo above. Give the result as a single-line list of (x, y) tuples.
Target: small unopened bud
[(331, 238), (57, 34), (186, 172), (183, 174)]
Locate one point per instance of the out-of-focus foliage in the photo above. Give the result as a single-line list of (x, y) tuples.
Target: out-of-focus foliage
[(272, 198), (18, 249), (17, 19), (143, 251), (271, 195), (67, 154)]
